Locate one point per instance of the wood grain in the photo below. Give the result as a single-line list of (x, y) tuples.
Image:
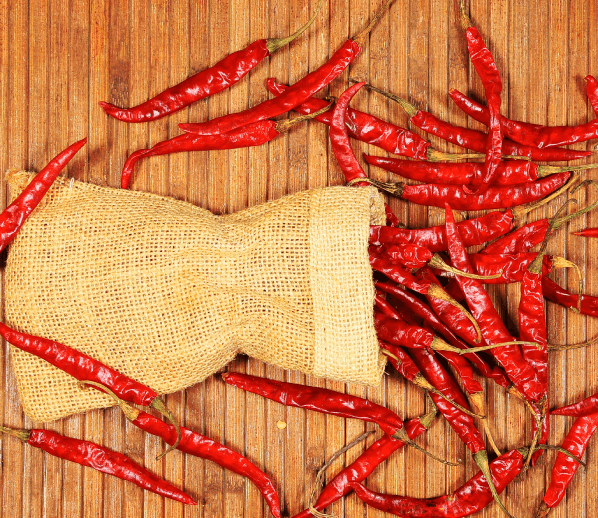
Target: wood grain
[(59, 59)]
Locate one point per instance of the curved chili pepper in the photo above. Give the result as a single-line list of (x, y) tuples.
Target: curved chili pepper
[(565, 467), (592, 92), (473, 231), (85, 368), (554, 293), (296, 94), (493, 329), (492, 198), (221, 76), (526, 133), (588, 232), (99, 458), (471, 497), (474, 139), (406, 254), (13, 217), (251, 135), (520, 240), (584, 408)]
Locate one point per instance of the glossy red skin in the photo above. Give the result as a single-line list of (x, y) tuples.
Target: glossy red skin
[(554, 293), (520, 240), (510, 172), (318, 399), (339, 137), (397, 273), (592, 92), (294, 95), (588, 232), (526, 133), (405, 254), (474, 232), (99, 458), (470, 498), (222, 75), (565, 467), (363, 466), (492, 198), (391, 219), (477, 140), (80, 366), (205, 448), (491, 325), (398, 332), (13, 217), (405, 366), (584, 408), (364, 127), (254, 134)]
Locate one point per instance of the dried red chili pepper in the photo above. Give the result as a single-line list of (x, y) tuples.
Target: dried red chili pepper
[(554, 293), (85, 368), (391, 219), (592, 92), (520, 240), (296, 94), (584, 408), (588, 232), (526, 133), (405, 254), (221, 76), (13, 217), (99, 458), (251, 135), (565, 467)]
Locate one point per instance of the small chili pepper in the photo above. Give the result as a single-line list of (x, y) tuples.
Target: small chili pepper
[(372, 130), (592, 92), (474, 139), (588, 232), (493, 329), (526, 133), (296, 94), (221, 76), (500, 197), (554, 293), (85, 368), (13, 217), (251, 135), (196, 444), (99, 458), (565, 467)]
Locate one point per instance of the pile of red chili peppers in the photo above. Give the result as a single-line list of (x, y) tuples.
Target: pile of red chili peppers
[(431, 308)]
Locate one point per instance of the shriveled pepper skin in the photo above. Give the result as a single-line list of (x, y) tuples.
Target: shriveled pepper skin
[(470, 498), (586, 407), (405, 366), (318, 399), (405, 254), (206, 448), (113, 463), (520, 240), (511, 266), (398, 332), (554, 293), (365, 127)]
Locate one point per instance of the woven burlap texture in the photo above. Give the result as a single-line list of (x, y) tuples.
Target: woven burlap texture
[(169, 293)]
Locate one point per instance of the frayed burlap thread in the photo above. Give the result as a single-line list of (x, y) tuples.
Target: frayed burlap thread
[(168, 293)]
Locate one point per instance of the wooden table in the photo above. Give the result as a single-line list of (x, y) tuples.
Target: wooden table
[(58, 59)]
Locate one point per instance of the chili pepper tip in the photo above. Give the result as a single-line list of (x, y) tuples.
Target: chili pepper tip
[(543, 511)]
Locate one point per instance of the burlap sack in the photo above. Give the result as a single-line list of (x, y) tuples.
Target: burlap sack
[(168, 293)]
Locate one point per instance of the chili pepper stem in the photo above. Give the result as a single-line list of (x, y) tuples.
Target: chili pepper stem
[(542, 511), (533, 445), (546, 170), (287, 124), (563, 451), (438, 344), (481, 459), (495, 346), (433, 155), (130, 413), (401, 435), (360, 38), (478, 404), (572, 346), (275, 43), (159, 405), (466, 22), (438, 262), (22, 435)]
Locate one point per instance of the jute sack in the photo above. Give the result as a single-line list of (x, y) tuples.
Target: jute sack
[(169, 293)]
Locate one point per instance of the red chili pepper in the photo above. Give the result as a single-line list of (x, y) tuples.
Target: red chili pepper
[(470, 498), (554, 293), (85, 368), (592, 92), (584, 408), (405, 254), (391, 219), (251, 135), (526, 133), (296, 94), (221, 76), (473, 231), (493, 329), (13, 217), (99, 458), (588, 232), (520, 240), (565, 467)]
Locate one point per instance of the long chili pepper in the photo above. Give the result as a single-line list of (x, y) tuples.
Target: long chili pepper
[(588, 232), (364, 465), (474, 139), (509, 172), (372, 130), (584, 408), (99, 458), (13, 217), (483, 62), (85, 368), (500, 197), (251, 135), (196, 444), (565, 467), (554, 293), (221, 76), (296, 94), (406, 254), (592, 92), (493, 329), (526, 133)]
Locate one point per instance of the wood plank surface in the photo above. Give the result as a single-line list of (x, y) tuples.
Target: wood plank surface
[(59, 59)]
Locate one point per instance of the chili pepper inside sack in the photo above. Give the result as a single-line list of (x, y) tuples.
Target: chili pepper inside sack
[(168, 293)]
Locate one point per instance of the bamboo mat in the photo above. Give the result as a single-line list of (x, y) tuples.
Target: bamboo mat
[(58, 59)]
